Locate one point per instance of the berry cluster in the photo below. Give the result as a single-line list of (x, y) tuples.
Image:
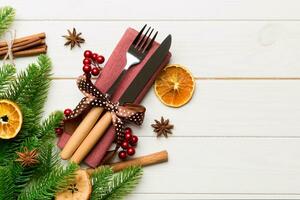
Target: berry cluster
[(128, 144), (91, 63)]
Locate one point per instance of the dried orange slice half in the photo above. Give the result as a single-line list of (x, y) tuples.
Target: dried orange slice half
[(10, 119), (175, 85), (80, 189)]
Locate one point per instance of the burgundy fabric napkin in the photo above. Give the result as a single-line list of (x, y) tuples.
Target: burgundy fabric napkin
[(110, 73)]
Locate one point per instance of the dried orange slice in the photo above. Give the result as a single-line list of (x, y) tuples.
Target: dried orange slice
[(175, 85), (10, 119), (80, 189)]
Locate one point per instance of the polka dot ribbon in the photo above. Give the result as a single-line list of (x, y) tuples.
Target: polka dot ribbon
[(128, 112)]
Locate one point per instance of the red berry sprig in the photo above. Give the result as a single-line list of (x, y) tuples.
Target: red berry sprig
[(128, 144), (92, 62)]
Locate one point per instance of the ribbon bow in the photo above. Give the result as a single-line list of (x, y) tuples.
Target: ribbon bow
[(129, 112)]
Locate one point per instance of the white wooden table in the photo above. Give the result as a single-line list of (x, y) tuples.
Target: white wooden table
[(239, 137)]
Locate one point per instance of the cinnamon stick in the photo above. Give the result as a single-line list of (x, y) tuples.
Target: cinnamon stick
[(30, 52), (22, 39), (23, 43), (27, 45), (151, 159)]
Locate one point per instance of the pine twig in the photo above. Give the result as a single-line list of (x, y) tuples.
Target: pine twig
[(121, 184), (101, 179), (7, 16), (6, 76), (47, 186), (7, 184), (48, 126)]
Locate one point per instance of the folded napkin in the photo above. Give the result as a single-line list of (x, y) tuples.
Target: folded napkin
[(109, 74)]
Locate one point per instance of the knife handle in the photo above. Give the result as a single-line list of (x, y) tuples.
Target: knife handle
[(93, 137), (81, 132)]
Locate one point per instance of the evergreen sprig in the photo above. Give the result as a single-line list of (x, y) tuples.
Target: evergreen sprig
[(109, 186), (7, 16), (7, 73), (47, 186), (42, 181)]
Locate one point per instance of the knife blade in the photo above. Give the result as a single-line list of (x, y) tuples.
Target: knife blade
[(146, 73), (128, 96)]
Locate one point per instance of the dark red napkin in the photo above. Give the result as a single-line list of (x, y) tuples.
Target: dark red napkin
[(110, 73)]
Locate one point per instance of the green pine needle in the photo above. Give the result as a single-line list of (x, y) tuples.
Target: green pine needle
[(31, 87), (48, 159), (47, 186), (48, 126), (6, 76), (101, 179), (119, 186), (7, 16), (29, 90), (7, 184)]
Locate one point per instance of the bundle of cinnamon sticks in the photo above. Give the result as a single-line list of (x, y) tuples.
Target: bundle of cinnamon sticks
[(25, 46)]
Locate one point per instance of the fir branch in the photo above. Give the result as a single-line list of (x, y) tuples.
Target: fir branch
[(7, 184), (6, 76), (29, 90), (47, 186), (7, 16), (48, 126), (31, 87), (121, 184), (101, 179), (48, 159)]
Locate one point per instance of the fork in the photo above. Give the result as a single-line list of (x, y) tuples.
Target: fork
[(135, 54)]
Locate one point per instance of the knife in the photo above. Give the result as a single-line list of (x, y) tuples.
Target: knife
[(129, 96)]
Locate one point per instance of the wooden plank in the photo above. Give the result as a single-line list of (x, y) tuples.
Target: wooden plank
[(209, 49), (161, 10), (223, 108), (222, 166), (177, 196)]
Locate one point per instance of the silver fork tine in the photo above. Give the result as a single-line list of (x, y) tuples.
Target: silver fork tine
[(137, 38), (151, 42), (145, 43), (141, 41)]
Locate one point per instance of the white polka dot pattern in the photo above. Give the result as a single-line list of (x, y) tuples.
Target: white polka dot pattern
[(132, 113)]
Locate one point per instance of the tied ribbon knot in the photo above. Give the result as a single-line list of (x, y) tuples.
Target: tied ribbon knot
[(128, 112)]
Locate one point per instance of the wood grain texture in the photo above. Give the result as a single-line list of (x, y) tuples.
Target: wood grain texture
[(223, 49), (219, 108), (222, 165), (164, 10), (239, 136)]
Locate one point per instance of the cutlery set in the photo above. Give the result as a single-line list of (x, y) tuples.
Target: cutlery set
[(95, 123)]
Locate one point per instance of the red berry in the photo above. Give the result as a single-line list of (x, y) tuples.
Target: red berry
[(87, 61), (127, 136), (100, 59), (122, 155), (68, 112), (134, 140), (59, 131), (95, 71), (94, 56), (88, 54), (131, 151), (128, 130), (124, 144), (86, 68)]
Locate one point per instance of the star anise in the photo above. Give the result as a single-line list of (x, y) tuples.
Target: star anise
[(27, 158), (162, 127), (73, 39), (73, 188)]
